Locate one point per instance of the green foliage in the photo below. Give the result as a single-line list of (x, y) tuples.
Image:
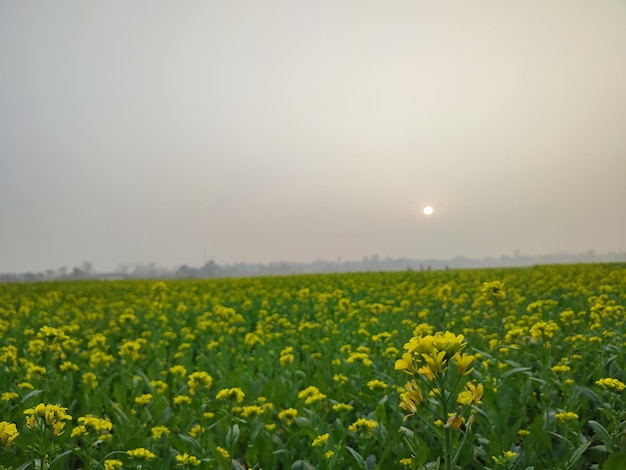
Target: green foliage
[(543, 338)]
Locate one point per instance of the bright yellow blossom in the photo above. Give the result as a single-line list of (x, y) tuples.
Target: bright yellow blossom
[(112, 464), (321, 440), (234, 394), (141, 453), (8, 434), (611, 384), (186, 459)]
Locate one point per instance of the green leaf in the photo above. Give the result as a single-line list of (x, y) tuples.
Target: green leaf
[(602, 433), (516, 370), (302, 465), (236, 465), (24, 466), (223, 463), (578, 453), (190, 440), (31, 394), (381, 412), (615, 462), (232, 436), (357, 458)]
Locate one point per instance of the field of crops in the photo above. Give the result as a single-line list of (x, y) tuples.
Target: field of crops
[(500, 369)]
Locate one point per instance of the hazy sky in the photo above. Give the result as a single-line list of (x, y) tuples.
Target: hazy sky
[(176, 132)]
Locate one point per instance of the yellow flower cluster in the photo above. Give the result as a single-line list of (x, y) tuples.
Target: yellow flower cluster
[(8, 433), (472, 394), (611, 384), (90, 423), (186, 459), (181, 400), (197, 380), (339, 407), (376, 384), (252, 410), (429, 355), (52, 416), (234, 394), (286, 356), (288, 415), (141, 454), (143, 399), (566, 416), (320, 440), (158, 431), (112, 464), (364, 425), (311, 395)]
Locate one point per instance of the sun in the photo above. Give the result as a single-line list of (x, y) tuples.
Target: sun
[(428, 210)]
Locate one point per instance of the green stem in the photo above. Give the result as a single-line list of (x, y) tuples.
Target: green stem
[(447, 444)]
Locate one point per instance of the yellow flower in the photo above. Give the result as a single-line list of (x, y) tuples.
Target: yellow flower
[(463, 361), (112, 464), (340, 379), (8, 396), (224, 452), (339, 407), (405, 364), (197, 379), (471, 395), (288, 415), (143, 399), (68, 365), (196, 431), (505, 458), (359, 357), (8, 434), (566, 416), (435, 361), (491, 291), (321, 440), (50, 415), (611, 384), (182, 400), (179, 370), (186, 459), (286, 359), (90, 379), (235, 394), (252, 410), (158, 385), (141, 454), (159, 431), (311, 395), (411, 397), (429, 355), (376, 384), (363, 424), (91, 423), (454, 421), (426, 372)]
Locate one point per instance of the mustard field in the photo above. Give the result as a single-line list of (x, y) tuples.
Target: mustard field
[(499, 369)]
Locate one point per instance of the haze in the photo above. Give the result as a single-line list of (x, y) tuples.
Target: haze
[(176, 132)]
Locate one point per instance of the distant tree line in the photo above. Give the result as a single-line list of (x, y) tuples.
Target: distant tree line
[(367, 263)]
